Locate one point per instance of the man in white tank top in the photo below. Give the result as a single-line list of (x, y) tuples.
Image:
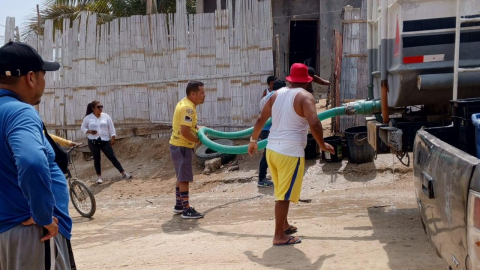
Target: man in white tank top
[(292, 110)]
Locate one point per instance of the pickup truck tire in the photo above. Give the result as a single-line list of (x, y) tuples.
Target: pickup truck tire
[(203, 153)]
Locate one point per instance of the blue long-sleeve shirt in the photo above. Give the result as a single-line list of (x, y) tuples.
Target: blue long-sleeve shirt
[(31, 183)]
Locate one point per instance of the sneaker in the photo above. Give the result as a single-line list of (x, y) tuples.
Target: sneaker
[(265, 183), (127, 176), (178, 209), (191, 213), (99, 180)]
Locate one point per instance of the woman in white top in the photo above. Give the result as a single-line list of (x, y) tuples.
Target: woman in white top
[(101, 137)]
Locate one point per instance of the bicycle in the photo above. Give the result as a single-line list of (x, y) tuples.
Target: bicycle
[(82, 197)]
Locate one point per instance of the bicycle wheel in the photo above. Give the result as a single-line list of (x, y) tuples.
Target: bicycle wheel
[(83, 199)]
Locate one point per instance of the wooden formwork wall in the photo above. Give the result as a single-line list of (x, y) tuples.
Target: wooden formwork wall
[(139, 66), (354, 72)]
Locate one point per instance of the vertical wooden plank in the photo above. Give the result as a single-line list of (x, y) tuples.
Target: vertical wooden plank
[(82, 49), (123, 64), (90, 47), (354, 77), (9, 30)]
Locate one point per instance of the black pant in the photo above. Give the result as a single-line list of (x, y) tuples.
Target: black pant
[(262, 172), (98, 145)]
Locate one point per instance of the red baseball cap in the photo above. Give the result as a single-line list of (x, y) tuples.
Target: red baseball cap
[(299, 74)]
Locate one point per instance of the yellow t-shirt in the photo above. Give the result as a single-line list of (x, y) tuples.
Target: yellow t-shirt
[(185, 115)]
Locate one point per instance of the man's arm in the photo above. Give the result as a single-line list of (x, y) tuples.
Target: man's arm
[(188, 134), (61, 141), (261, 120), (310, 113), (319, 80), (186, 124), (264, 93), (25, 137)]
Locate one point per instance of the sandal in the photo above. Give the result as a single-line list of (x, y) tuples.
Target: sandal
[(291, 229), (290, 241)]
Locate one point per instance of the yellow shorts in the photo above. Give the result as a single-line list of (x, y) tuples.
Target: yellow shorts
[(287, 175)]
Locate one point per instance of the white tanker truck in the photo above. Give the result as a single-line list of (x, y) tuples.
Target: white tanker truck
[(424, 64)]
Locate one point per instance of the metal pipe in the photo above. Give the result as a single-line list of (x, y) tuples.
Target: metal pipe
[(383, 60), (370, 91), (444, 81), (383, 40), (457, 53), (370, 50), (385, 115)]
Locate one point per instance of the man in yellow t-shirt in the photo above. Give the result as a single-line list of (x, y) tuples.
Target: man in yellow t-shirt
[(183, 140)]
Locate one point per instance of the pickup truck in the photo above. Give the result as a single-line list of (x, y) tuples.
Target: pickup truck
[(447, 187)]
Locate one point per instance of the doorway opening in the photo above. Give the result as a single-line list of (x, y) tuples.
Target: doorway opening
[(304, 42)]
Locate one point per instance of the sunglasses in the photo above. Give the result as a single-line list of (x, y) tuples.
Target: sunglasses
[(99, 107)]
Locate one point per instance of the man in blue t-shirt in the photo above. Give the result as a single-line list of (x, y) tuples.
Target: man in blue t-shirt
[(35, 227), (262, 172)]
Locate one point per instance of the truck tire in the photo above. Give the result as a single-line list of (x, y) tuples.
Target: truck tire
[(203, 153)]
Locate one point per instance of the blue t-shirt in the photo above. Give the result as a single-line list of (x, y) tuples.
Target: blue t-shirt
[(31, 183)]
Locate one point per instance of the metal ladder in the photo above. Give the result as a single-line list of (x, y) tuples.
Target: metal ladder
[(456, 63)]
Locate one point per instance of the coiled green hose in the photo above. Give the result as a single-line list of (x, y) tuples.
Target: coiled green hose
[(359, 107)]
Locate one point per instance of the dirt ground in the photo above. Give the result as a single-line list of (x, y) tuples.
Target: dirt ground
[(351, 217)]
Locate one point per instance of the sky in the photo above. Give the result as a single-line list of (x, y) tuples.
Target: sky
[(20, 9)]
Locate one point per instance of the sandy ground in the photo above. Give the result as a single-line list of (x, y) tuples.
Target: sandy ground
[(351, 217)]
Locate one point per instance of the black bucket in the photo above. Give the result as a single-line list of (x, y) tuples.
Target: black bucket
[(311, 148), (359, 149), (337, 144)]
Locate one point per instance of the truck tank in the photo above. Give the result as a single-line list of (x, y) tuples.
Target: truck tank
[(420, 51)]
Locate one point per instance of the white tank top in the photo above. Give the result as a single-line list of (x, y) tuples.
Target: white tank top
[(288, 134)]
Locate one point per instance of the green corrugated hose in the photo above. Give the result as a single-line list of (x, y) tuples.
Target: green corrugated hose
[(359, 107)]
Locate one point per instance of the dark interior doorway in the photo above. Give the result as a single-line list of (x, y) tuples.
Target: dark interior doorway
[(304, 42)]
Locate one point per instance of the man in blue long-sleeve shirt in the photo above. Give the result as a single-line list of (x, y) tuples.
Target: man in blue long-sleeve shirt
[(35, 227)]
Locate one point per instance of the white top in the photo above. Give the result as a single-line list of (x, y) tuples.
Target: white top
[(103, 125), (267, 91), (288, 134), (264, 100)]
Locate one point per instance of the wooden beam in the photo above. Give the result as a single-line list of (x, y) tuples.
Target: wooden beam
[(38, 20), (149, 7), (277, 58), (17, 32), (354, 21), (354, 55)]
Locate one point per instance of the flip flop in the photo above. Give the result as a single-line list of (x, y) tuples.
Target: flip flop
[(290, 230), (289, 242)]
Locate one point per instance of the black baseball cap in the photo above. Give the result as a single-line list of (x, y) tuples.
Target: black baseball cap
[(311, 71), (278, 84), (17, 59)]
